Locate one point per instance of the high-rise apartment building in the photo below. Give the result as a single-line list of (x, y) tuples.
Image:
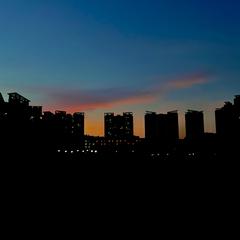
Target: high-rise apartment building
[(194, 121), (118, 126), (162, 126)]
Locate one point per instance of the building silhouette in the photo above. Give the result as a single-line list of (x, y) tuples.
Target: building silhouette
[(63, 127), (28, 131), (35, 112), (225, 120), (237, 106), (119, 126), (151, 125), (194, 122), (237, 109), (17, 99), (3, 115), (237, 102), (1, 100), (163, 127), (228, 120), (18, 107), (20, 124), (111, 145), (3, 109), (78, 124), (172, 125)]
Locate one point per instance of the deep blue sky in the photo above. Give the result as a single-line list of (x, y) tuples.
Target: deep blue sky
[(121, 55)]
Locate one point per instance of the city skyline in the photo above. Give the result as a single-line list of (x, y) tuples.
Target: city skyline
[(121, 56), (157, 126)]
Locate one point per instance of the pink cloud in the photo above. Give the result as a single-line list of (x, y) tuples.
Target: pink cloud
[(83, 100), (188, 81), (106, 105)]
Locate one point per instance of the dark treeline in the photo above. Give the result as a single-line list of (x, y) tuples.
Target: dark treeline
[(27, 132)]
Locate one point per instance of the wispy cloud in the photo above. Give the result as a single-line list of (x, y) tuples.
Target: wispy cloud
[(92, 99), (98, 99), (189, 81)]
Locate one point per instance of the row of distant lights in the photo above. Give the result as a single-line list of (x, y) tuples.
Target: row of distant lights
[(158, 154), (78, 151), (95, 151), (84, 151), (167, 154)]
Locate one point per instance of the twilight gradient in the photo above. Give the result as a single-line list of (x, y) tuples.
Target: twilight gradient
[(121, 55)]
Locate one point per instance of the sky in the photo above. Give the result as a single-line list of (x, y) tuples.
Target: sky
[(98, 56)]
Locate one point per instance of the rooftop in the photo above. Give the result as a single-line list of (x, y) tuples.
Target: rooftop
[(1, 98), (17, 96)]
